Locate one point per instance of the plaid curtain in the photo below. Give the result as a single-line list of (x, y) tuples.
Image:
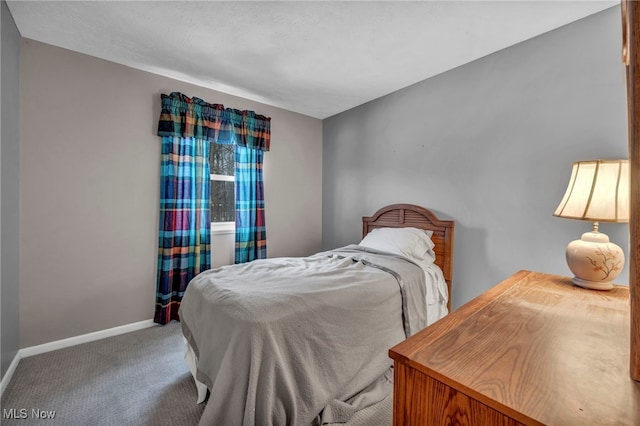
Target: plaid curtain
[(251, 238), (187, 126), (193, 117), (184, 238)]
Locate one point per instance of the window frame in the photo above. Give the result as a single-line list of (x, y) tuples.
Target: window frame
[(218, 228)]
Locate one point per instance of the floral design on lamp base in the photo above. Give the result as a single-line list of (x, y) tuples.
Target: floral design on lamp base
[(595, 261)]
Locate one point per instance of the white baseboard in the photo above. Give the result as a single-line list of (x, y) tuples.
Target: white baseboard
[(71, 341), (9, 373), (84, 338)]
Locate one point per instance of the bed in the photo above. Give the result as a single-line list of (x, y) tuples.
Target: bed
[(304, 341)]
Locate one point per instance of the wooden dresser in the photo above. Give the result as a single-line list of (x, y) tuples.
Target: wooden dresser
[(533, 350)]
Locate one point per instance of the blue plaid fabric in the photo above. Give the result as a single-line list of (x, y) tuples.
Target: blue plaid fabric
[(251, 236), (184, 238)]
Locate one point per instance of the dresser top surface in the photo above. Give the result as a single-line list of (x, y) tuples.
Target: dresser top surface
[(537, 348)]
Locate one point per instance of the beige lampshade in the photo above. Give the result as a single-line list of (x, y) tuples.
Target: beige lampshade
[(598, 191)]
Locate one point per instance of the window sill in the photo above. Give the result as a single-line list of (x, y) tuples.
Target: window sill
[(223, 228)]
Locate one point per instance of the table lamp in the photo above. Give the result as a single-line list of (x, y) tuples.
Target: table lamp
[(598, 191)]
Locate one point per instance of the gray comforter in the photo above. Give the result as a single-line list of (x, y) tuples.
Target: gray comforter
[(300, 341)]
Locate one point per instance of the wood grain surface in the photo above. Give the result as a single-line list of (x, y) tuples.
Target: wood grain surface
[(534, 348), (631, 57)]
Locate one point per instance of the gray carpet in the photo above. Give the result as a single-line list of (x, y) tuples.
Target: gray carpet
[(137, 378)]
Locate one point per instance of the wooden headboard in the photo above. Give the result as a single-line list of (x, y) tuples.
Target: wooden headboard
[(409, 215)]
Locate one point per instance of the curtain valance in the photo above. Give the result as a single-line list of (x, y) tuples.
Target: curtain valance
[(186, 117)]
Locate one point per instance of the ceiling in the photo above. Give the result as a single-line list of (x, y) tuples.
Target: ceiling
[(318, 58)]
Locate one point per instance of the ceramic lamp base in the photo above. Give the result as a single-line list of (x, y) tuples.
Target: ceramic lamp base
[(593, 285), (594, 261)]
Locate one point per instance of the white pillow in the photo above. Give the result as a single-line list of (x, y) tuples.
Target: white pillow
[(412, 243)]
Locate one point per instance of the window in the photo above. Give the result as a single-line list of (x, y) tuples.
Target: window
[(223, 211)]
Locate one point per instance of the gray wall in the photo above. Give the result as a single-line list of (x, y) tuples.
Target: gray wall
[(10, 173), (89, 190), (489, 145)]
